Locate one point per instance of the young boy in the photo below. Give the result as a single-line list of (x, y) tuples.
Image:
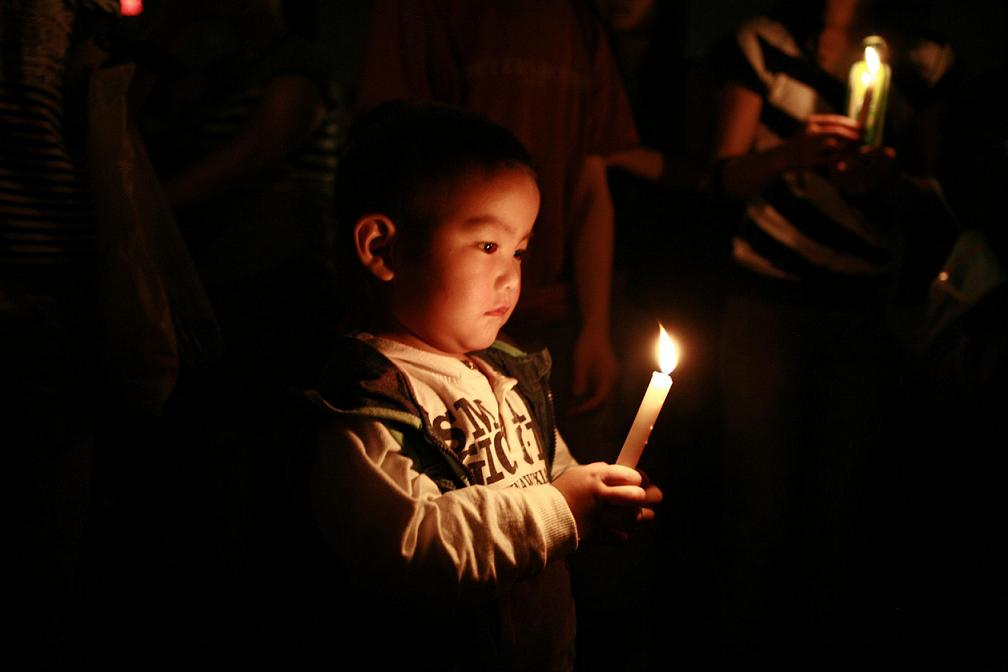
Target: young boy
[(440, 480)]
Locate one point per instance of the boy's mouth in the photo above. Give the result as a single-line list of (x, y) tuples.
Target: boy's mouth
[(499, 311)]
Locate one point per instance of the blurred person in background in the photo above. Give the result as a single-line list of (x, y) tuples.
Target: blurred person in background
[(49, 336), (807, 356)]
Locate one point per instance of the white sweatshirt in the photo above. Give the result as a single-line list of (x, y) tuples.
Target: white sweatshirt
[(501, 544)]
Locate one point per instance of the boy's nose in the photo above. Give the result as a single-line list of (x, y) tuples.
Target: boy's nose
[(510, 275)]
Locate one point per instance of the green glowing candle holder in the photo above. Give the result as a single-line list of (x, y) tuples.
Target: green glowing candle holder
[(868, 89)]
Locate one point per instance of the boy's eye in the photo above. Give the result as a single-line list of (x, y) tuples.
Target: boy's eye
[(520, 254), (489, 248)]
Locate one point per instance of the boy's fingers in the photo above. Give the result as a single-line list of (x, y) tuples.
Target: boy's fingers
[(645, 514), (622, 495), (618, 474)]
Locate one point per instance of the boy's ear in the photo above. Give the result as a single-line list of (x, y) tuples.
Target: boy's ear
[(373, 236)]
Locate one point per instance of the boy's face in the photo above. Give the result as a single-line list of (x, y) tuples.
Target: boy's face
[(454, 291)]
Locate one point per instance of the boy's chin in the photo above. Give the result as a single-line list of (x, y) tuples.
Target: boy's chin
[(484, 341), (482, 344)]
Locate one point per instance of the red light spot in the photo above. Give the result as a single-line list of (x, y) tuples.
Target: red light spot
[(131, 7)]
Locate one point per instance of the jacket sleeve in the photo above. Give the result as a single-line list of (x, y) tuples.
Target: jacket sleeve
[(392, 526)]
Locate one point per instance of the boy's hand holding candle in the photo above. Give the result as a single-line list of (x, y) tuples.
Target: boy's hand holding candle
[(607, 500)]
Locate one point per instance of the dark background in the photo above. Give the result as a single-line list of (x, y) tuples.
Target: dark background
[(934, 511)]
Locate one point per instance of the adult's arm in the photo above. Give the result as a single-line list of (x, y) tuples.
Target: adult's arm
[(744, 173), (668, 170), (594, 364), (291, 108)]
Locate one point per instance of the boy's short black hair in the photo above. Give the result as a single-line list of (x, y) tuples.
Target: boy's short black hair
[(399, 152)]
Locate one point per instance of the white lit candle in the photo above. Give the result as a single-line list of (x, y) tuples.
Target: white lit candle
[(651, 405), (868, 90)]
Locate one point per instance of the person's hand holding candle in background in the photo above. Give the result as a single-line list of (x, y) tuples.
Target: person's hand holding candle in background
[(871, 164)]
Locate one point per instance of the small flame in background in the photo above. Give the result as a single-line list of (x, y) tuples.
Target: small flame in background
[(131, 7), (668, 351)]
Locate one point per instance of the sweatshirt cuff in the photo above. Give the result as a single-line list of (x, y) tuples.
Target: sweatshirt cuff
[(558, 526)]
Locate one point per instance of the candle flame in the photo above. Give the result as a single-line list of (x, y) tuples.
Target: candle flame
[(668, 352), (872, 60)]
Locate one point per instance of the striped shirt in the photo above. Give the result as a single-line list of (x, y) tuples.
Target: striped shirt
[(802, 228), (46, 212), (283, 211), (312, 164)]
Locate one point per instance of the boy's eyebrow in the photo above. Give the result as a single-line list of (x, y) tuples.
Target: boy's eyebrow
[(482, 220)]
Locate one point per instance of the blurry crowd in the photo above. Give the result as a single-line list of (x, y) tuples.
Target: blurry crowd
[(828, 452)]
